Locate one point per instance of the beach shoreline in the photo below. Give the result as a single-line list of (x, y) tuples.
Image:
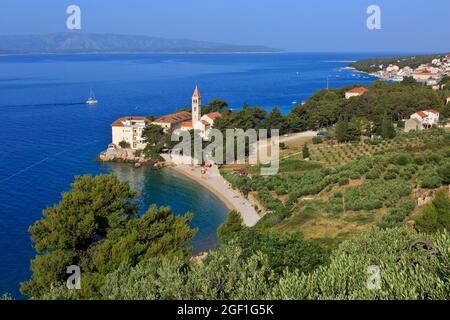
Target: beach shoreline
[(213, 181)]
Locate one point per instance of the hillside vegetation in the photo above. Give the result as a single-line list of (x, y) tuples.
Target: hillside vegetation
[(364, 195), (350, 187)]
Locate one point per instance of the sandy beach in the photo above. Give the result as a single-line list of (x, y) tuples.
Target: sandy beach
[(215, 183)]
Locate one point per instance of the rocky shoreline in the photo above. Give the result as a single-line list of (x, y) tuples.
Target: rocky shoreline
[(130, 156)]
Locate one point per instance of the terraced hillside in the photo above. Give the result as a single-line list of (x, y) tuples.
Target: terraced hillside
[(346, 188)]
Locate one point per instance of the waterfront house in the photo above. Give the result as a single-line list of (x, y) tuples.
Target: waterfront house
[(422, 120), (129, 130), (355, 92)]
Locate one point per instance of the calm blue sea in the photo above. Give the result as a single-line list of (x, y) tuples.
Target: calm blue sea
[(48, 135)]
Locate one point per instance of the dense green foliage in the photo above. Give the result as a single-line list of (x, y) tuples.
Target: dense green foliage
[(96, 227), (396, 101), (412, 266), (231, 226), (407, 271), (436, 215), (387, 128), (247, 118), (155, 138), (124, 145), (216, 105), (283, 252)]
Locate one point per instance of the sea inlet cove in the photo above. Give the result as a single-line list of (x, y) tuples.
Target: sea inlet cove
[(186, 158)]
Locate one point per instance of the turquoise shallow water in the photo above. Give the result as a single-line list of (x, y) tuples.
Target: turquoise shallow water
[(48, 135)]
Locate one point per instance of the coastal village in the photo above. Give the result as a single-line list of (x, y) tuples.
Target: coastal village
[(428, 73)]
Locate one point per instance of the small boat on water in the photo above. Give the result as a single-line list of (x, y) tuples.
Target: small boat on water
[(91, 100)]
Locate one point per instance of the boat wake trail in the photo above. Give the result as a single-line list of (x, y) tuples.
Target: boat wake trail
[(43, 105), (44, 160)]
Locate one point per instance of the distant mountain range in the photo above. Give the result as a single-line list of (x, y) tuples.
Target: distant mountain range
[(111, 43)]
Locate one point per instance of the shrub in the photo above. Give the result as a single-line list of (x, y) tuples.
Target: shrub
[(124, 145), (430, 181), (407, 175), (401, 160), (317, 140), (305, 151), (390, 175), (436, 215), (434, 158), (398, 214), (419, 160), (444, 173), (373, 174), (231, 226), (343, 181), (355, 176)]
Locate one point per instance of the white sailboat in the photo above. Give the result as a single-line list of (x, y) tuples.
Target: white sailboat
[(92, 100)]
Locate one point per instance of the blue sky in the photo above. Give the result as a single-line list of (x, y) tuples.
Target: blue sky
[(295, 25)]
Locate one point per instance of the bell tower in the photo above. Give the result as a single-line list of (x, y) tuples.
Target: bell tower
[(196, 106)]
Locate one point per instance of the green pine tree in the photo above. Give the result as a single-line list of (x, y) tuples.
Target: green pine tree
[(305, 151), (342, 130), (387, 128)]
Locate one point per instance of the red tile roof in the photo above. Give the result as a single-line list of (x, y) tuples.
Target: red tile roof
[(187, 124), (214, 115), (358, 90), (432, 111), (423, 72), (422, 114), (119, 122), (175, 117)]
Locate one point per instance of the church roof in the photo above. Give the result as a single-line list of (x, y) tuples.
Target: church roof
[(196, 93), (175, 117), (214, 115)]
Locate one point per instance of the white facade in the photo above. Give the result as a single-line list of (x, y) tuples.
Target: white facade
[(426, 118), (129, 130)]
